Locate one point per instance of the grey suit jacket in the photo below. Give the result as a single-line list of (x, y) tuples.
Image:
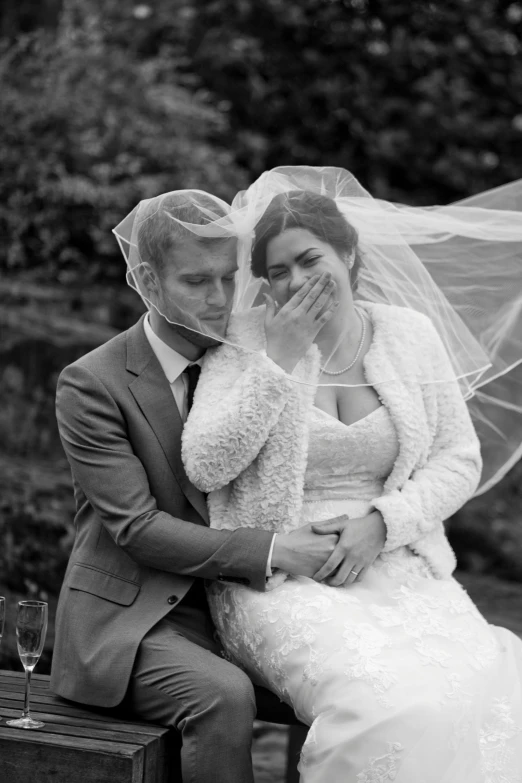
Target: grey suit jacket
[(142, 532)]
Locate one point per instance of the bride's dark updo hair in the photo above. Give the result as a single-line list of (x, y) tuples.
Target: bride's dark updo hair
[(316, 213)]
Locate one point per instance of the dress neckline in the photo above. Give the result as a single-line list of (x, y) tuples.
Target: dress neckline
[(348, 426)]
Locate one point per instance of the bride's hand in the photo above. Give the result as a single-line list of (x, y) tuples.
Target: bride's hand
[(291, 330), (360, 541)]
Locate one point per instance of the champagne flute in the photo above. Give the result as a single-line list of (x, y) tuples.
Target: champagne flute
[(31, 627), (2, 619)]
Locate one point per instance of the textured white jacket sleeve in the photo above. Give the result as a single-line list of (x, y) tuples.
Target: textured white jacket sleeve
[(238, 400), (451, 474)]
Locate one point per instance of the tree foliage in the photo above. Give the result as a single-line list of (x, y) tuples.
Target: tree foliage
[(88, 129), (105, 103), (419, 100)]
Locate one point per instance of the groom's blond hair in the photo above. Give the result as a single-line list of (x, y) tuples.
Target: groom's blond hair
[(158, 233)]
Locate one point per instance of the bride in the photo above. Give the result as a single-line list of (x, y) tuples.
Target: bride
[(339, 403)]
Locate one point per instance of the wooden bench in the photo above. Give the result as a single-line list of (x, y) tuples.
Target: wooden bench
[(95, 746), (76, 742)]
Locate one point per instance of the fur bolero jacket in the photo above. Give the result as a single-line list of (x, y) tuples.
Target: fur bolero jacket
[(245, 441)]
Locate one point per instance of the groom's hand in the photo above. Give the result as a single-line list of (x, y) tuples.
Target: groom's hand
[(303, 552), (360, 541)]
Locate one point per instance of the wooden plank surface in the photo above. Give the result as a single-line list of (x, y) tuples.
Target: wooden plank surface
[(143, 731), (12, 688), (11, 700), (58, 724), (75, 740)]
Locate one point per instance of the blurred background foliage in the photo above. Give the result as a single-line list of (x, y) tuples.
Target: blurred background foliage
[(92, 123), (105, 102)]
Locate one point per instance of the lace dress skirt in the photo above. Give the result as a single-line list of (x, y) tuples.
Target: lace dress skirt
[(399, 676)]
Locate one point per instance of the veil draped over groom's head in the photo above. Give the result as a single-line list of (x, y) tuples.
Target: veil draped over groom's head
[(181, 254)]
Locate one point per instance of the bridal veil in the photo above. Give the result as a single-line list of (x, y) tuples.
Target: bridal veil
[(460, 265)]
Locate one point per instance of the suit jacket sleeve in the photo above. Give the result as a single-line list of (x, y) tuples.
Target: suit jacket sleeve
[(452, 472), (238, 401), (114, 481)]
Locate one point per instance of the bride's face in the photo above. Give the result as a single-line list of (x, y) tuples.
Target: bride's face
[(296, 255)]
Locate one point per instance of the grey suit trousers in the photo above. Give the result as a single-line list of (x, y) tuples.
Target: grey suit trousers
[(179, 679)]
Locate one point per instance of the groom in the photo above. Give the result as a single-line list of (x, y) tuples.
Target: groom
[(133, 626)]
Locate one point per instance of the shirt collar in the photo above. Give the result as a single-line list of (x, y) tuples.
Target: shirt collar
[(172, 362)]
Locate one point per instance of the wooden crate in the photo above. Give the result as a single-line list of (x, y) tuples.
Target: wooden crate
[(77, 743)]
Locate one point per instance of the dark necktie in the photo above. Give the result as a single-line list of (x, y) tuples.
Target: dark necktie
[(192, 372)]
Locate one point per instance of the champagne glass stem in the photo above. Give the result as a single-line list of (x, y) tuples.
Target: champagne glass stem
[(27, 696)]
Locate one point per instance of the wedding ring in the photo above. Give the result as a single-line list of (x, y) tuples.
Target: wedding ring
[(355, 572)]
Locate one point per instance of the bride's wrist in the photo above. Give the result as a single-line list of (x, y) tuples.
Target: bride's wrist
[(380, 524), (284, 362)]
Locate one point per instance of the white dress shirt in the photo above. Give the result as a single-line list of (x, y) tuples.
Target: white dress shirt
[(174, 365)]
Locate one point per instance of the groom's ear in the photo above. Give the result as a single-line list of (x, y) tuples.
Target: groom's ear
[(149, 278)]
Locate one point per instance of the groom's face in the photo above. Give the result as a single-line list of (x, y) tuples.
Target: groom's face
[(197, 285)]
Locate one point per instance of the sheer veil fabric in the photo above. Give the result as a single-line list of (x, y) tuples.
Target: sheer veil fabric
[(459, 265), (484, 286)]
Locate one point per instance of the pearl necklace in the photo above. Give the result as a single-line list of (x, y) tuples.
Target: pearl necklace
[(359, 349)]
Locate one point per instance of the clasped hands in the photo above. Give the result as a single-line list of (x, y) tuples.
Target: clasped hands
[(337, 551), (360, 541)]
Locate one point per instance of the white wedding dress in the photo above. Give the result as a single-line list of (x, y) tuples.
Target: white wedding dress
[(399, 676)]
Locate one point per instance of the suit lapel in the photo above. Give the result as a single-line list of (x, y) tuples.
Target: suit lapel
[(152, 392)]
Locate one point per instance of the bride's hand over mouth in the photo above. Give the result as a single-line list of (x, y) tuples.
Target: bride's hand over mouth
[(291, 329)]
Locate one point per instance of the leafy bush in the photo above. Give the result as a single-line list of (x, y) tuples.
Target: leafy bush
[(420, 100), (87, 131)]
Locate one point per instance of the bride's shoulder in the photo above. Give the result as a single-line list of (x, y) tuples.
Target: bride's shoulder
[(404, 331), (395, 321), (246, 327)]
